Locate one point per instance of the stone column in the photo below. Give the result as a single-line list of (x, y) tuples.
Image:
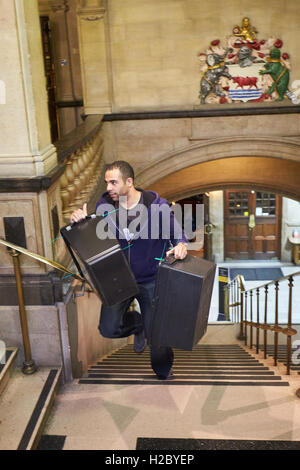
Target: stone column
[(95, 56), (65, 51), (216, 217), (26, 149)]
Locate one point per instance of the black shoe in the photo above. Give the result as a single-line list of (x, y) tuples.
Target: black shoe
[(139, 342), (170, 376)]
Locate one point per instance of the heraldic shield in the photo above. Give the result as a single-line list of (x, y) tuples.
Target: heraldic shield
[(245, 68), (246, 82)]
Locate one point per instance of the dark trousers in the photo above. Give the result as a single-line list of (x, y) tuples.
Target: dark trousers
[(118, 322)]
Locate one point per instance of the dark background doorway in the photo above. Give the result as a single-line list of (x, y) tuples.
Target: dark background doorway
[(252, 224)]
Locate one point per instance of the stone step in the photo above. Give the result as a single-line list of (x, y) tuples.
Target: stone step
[(244, 383), (25, 406), (198, 367), (191, 376), (7, 366)]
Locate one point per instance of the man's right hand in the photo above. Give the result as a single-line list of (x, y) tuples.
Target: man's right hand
[(79, 214)]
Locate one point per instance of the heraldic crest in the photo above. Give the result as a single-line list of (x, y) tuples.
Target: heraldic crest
[(247, 69)]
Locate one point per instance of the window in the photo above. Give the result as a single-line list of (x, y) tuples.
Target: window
[(265, 204), (238, 204)]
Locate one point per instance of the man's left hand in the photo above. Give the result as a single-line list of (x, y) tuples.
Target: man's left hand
[(179, 251)]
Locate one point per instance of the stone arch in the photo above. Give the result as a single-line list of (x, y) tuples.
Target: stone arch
[(262, 163)]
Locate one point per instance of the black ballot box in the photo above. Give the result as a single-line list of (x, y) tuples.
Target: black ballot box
[(181, 302), (101, 261)]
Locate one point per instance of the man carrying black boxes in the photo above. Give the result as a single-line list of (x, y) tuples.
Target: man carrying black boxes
[(145, 228)]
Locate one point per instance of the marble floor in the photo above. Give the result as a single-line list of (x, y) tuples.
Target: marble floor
[(114, 416)]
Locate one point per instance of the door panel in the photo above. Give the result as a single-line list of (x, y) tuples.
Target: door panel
[(252, 222), (236, 224)]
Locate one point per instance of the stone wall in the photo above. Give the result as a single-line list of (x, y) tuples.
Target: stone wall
[(143, 55), (166, 153), (154, 44), (159, 147), (25, 143)]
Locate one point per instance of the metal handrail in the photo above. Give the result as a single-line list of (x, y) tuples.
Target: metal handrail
[(283, 278), (237, 296), (242, 281)]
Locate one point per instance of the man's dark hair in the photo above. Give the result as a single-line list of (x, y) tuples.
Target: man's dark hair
[(126, 170)]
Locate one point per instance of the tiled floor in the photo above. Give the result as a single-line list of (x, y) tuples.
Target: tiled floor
[(17, 404), (112, 417)]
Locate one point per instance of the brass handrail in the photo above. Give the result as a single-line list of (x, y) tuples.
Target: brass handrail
[(29, 366), (238, 301)]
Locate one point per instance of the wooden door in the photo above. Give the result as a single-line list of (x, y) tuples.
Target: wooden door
[(50, 77), (252, 225)]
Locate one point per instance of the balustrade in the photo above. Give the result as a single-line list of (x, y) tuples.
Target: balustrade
[(242, 300), (81, 176)]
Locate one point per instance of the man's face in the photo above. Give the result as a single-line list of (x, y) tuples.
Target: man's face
[(115, 184)]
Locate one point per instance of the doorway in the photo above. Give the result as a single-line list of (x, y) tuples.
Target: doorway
[(252, 222), (50, 77), (204, 233)]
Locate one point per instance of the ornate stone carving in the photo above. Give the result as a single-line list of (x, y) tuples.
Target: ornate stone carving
[(92, 10), (59, 5), (92, 17), (81, 176), (48, 6), (91, 4), (245, 69), (44, 7)]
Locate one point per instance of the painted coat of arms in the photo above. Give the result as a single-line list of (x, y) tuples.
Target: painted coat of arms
[(247, 69)]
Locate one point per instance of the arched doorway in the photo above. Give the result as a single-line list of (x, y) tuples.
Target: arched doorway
[(264, 175), (260, 173)]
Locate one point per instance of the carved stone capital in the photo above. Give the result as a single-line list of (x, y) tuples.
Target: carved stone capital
[(59, 5), (44, 7), (92, 10), (87, 4)]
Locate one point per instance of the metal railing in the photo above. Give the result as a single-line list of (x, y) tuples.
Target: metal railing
[(242, 310)]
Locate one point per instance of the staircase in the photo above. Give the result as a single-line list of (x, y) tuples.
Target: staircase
[(282, 356), (207, 364), (25, 403), (220, 394), (7, 367), (238, 390)]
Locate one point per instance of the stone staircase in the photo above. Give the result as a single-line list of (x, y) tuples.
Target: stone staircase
[(7, 366), (207, 364), (25, 403), (219, 391)]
